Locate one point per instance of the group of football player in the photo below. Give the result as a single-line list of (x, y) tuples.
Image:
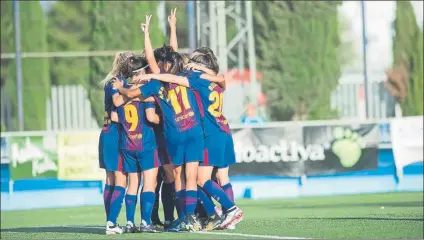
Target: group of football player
[(164, 126)]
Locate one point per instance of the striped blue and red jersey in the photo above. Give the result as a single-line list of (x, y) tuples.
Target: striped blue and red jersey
[(179, 107), (136, 132), (212, 96)]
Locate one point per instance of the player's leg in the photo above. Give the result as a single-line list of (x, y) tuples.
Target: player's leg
[(168, 194), (108, 160), (108, 190), (193, 154), (131, 201), (149, 162), (116, 203), (216, 150), (155, 212)]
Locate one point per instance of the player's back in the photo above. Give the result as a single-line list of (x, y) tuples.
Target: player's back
[(136, 132), (180, 109), (212, 98), (109, 91)]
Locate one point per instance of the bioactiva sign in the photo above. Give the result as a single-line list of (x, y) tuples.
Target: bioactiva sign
[(284, 151)]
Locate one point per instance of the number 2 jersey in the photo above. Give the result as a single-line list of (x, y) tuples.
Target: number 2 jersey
[(212, 96), (179, 107), (136, 132)]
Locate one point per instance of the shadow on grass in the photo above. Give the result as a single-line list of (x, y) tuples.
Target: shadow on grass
[(364, 218), (57, 229)]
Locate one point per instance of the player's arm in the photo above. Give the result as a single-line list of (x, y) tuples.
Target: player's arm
[(151, 113), (148, 49), (166, 77), (149, 99), (172, 20), (209, 75), (128, 92)]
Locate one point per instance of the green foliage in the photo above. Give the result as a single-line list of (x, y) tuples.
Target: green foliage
[(408, 49), (298, 53), (111, 30), (35, 72), (68, 30)]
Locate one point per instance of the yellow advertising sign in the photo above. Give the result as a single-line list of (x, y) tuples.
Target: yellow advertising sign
[(78, 156)]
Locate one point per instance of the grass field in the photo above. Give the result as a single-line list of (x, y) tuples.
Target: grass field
[(392, 215)]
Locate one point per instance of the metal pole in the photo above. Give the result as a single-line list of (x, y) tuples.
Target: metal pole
[(17, 24), (198, 29), (191, 26), (252, 55), (222, 36), (364, 49), (213, 43)]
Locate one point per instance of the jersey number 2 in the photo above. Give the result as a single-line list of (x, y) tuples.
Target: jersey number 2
[(131, 116), (172, 96), (217, 101)]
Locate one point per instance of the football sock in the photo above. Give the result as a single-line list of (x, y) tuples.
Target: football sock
[(107, 196), (130, 205), (180, 203), (207, 203), (116, 203), (213, 189), (228, 189), (191, 201), (155, 211), (168, 200), (147, 202)]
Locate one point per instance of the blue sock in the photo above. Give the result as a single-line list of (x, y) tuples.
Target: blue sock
[(206, 201), (191, 201), (216, 192), (147, 202), (130, 205), (116, 203), (180, 203), (168, 200), (228, 189), (107, 196)]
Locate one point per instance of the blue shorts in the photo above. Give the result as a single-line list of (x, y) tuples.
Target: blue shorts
[(189, 149), (162, 149), (135, 161), (109, 156), (219, 150)]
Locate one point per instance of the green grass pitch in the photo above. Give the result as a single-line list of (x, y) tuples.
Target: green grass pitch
[(391, 215)]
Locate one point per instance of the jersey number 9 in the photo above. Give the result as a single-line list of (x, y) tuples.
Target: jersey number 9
[(131, 116)]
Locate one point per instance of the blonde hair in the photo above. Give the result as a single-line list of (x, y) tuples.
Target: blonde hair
[(117, 65)]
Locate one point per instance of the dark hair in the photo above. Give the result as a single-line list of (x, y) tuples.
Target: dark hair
[(204, 50), (208, 60), (133, 63), (160, 53), (176, 61)]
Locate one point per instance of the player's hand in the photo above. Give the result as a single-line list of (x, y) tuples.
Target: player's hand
[(221, 75), (117, 84), (143, 79), (145, 26), (172, 19)]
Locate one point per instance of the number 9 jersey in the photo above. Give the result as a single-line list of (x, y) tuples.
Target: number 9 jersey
[(137, 140)]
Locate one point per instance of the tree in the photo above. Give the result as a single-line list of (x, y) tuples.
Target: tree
[(405, 79), (112, 31), (35, 73), (298, 53), (69, 30)]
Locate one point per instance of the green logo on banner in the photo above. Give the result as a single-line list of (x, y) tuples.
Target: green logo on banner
[(33, 157), (347, 146)]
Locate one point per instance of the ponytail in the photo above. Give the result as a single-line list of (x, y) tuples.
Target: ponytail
[(117, 66)]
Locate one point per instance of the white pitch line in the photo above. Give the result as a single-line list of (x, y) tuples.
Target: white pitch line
[(205, 233), (248, 235)]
